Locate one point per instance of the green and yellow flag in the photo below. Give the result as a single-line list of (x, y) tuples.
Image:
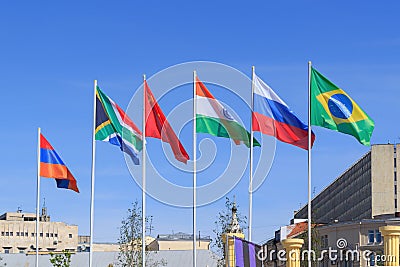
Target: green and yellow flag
[(332, 108)]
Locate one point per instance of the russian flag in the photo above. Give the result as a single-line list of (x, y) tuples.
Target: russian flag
[(52, 166), (271, 116)]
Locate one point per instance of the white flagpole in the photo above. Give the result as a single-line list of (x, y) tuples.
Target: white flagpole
[(37, 199), (144, 177), (194, 168), (251, 155), (92, 185), (309, 164)]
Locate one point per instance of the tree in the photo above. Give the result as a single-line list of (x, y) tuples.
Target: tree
[(61, 260), (130, 241), (223, 225)]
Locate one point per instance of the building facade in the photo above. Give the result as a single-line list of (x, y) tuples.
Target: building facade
[(366, 190), (348, 213), (179, 241), (18, 233)]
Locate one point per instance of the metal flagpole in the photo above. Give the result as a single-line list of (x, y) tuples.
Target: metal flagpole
[(309, 164), (37, 199), (144, 176), (92, 184), (194, 167), (251, 155)]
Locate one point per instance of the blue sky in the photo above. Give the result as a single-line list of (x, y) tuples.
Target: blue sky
[(52, 51)]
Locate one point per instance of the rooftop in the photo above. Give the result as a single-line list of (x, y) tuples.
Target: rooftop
[(181, 236)]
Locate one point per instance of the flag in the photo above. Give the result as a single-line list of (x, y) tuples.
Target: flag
[(333, 108), (52, 166), (115, 127), (272, 116), (246, 253), (213, 118), (157, 126)]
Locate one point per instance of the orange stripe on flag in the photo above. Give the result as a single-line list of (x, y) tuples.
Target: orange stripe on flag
[(53, 170), (201, 90)]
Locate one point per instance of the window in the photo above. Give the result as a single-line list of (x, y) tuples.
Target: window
[(371, 237), (51, 235), (17, 233), (378, 236), (21, 251), (41, 234), (2, 233), (70, 235), (372, 259), (47, 235), (56, 235), (26, 234), (11, 233), (21, 234), (32, 234), (6, 251)]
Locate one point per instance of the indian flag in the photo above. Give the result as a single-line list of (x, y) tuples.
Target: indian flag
[(115, 127), (213, 118)]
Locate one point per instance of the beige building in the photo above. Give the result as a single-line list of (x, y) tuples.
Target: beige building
[(366, 190), (352, 208), (17, 233), (179, 241)]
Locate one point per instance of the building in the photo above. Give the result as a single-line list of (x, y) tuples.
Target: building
[(179, 241), (84, 245), (352, 209), (18, 233), (367, 190), (233, 230)]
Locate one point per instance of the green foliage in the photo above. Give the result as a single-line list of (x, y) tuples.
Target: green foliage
[(61, 260), (222, 224), (130, 241)]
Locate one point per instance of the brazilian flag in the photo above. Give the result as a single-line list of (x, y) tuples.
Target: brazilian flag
[(332, 108)]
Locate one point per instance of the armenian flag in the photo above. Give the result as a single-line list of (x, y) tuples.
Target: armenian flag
[(115, 127), (52, 166), (213, 118), (272, 116), (333, 108)]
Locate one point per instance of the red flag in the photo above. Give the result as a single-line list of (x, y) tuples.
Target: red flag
[(157, 126)]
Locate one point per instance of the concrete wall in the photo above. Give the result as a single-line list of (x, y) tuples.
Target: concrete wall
[(103, 259), (382, 175)]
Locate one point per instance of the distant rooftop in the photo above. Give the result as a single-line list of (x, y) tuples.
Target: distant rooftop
[(181, 236), (18, 216)]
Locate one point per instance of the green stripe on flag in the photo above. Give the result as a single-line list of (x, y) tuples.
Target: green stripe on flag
[(223, 128)]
